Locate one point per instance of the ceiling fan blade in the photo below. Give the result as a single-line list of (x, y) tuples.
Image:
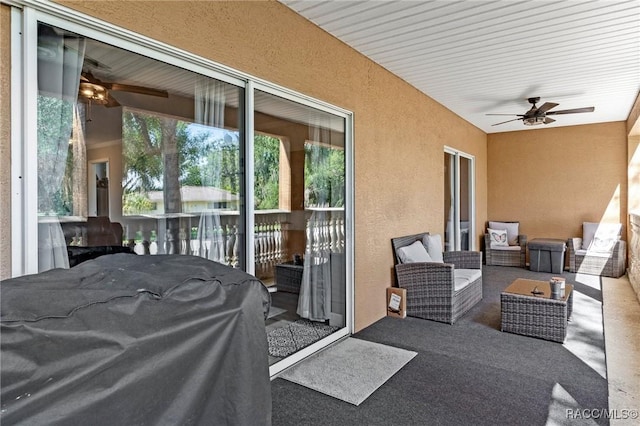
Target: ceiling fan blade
[(506, 121), (572, 111), (94, 63), (519, 115), (548, 120), (111, 102), (136, 89), (546, 107), (89, 77)]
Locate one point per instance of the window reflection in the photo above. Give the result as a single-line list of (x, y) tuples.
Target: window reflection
[(171, 139)]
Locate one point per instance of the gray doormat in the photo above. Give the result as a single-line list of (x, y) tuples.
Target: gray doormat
[(286, 340), (350, 370)]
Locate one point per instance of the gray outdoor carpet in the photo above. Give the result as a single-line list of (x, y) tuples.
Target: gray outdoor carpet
[(471, 373), (350, 370)]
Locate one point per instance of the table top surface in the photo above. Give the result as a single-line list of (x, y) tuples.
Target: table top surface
[(524, 287)]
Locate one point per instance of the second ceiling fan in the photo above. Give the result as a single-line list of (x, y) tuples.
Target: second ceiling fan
[(97, 91), (539, 115)]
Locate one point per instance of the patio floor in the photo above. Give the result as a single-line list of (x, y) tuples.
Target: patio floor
[(621, 312)]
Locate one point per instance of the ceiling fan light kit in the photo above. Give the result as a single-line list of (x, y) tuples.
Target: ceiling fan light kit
[(533, 121), (93, 92), (538, 115)]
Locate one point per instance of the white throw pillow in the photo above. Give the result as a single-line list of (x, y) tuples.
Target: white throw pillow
[(498, 238), (512, 228), (588, 232), (602, 245), (433, 243), (604, 231), (413, 253)]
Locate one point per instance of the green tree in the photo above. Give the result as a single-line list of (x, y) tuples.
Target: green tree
[(55, 122), (324, 176), (266, 172), (162, 153)]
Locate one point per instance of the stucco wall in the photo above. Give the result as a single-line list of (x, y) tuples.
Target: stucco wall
[(633, 157), (552, 180), (399, 133), (633, 121), (5, 142)]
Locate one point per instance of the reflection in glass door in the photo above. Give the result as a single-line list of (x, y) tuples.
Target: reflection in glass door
[(299, 212), (459, 200), (175, 183), (191, 162)]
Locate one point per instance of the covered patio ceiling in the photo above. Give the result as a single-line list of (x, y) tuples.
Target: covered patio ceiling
[(480, 57)]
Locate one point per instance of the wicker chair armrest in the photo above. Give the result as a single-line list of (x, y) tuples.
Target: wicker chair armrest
[(430, 275), (487, 241), (487, 249), (574, 244), (464, 259), (620, 250), (522, 241)]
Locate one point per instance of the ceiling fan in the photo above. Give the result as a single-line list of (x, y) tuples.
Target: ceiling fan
[(93, 90), (538, 115)]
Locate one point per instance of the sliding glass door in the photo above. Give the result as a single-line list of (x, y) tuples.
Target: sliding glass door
[(459, 200), (299, 190), (130, 145)]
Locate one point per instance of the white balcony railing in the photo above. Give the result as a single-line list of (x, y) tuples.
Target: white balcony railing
[(222, 239)]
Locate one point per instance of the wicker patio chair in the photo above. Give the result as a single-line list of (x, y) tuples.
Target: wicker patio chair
[(434, 291), (506, 256), (606, 263)]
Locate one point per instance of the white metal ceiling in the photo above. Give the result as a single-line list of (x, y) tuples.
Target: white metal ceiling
[(479, 57)]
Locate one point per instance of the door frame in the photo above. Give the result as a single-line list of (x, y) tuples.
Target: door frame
[(454, 177)]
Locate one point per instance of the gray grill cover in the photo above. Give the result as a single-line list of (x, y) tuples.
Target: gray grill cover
[(135, 340)]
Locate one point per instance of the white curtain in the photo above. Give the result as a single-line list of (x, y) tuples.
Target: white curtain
[(210, 241), (58, 84), (314, 300), (80, 203), (210, 101)]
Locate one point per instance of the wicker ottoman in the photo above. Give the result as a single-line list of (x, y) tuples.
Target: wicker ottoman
[(533, 315), (288, 277)]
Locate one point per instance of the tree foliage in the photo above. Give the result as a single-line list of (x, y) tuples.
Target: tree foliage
[(212, 158), (324, 174), (55, 122), (164, 154), (266, 172)]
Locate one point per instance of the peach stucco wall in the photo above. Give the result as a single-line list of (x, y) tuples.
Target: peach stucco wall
[(552, 180), (400, 133)]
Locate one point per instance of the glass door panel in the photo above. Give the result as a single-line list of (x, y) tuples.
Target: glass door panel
[(449, 199), (299, 201), (459, 203), (465, 203)]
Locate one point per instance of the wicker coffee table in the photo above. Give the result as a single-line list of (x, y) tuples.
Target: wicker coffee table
[(536, 315)]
